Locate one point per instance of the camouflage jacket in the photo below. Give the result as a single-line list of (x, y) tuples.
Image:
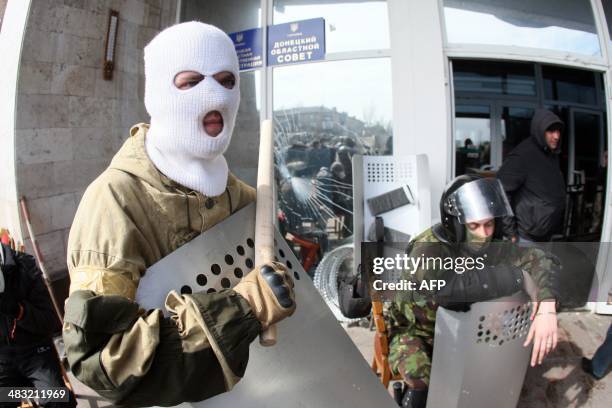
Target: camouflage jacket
[(416, 313), (130, 217)]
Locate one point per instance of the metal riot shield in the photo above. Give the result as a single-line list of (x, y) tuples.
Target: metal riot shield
[(314, 363), (479, 360)]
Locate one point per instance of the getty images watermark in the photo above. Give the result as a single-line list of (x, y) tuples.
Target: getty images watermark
[(421, 270), (405, 264)]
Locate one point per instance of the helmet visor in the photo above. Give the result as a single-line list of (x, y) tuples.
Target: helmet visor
[(478, 200)]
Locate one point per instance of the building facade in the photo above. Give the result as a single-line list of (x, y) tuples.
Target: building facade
[(455, 80)]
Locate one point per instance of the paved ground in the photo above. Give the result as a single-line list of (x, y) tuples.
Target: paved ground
[(559, 382)]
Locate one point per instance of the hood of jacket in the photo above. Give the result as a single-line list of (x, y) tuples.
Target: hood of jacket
[(542, 120), (132, 158)]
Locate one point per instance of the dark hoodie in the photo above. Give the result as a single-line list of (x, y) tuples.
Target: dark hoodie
[(534, 183), (35, 320)]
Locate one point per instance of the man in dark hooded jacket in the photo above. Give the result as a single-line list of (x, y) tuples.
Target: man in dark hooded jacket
[(533, 181), (27, 323)]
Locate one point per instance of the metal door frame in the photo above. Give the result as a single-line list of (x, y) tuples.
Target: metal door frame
[(571, 139)]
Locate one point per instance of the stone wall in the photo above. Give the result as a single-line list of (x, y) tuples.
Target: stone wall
[(70, 121)]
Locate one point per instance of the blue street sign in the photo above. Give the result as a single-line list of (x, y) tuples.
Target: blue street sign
[(248, 45), (299, 41)]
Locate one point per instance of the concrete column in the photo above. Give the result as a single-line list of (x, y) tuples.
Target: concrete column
[(2, 9), (421, 99), (11, 40)]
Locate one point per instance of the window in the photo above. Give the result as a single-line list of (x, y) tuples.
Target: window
[(229, 15), (569, 85), (566, 26), (349, 25), (500, 78), (589, 144), (472, 138), (515, 127), (325, 113)]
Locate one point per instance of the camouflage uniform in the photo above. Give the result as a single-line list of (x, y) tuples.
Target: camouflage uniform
[(412, 320)]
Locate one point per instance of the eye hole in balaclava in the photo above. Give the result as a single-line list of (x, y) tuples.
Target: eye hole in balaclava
[(188, 79)]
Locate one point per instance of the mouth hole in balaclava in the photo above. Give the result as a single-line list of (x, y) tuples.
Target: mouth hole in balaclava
[(185, 80)]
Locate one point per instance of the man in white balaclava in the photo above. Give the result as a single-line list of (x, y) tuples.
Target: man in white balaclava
[(166, 185)]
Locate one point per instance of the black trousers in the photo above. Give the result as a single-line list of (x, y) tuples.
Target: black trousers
[(32, 366)]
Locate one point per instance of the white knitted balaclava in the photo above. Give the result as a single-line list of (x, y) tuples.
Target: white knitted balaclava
[(177, 142)]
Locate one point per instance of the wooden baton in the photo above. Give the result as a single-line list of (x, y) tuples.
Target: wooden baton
[(264, 221)]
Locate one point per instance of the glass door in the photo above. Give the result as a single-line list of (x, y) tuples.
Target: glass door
[(486, 132), (586, 144), (514, 126), (473, 136), (587, 172)]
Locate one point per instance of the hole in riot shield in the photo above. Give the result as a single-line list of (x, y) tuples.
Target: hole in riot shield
[(229, 260), (238, 273), (240, 250), (186, 290), (215, 269), (297, 276), (225, 283), (201, 279), (249, 263), (250, 242), (495, 329)]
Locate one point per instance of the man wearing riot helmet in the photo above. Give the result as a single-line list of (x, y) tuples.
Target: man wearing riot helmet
[(470, 210)]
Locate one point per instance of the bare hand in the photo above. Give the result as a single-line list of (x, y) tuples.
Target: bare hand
[(543, 331)]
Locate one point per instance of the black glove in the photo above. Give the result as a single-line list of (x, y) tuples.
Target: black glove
[(492, 282)]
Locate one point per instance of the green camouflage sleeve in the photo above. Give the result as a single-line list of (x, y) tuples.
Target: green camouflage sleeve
[(412, 305), (540, 267), (137, 359)]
